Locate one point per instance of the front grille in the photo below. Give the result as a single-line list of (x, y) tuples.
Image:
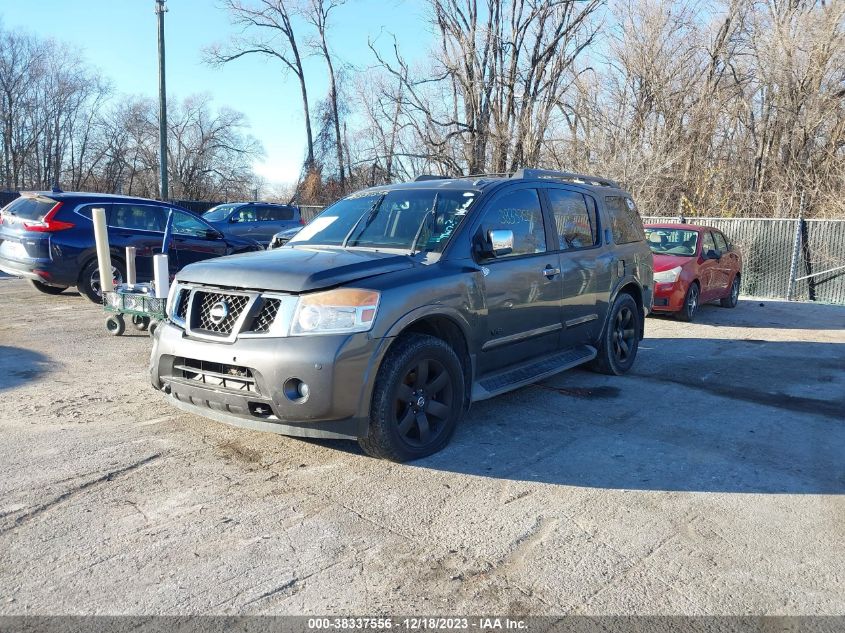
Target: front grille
[(182, 303), (267, 315), (217, 375), (234, 305)]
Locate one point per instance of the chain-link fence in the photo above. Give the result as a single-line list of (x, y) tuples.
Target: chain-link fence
[(768, 247)]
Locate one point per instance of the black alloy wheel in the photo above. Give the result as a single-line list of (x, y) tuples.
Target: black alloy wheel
[(424, 403)]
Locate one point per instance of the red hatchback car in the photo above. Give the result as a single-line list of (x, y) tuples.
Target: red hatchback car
[(692, 265)]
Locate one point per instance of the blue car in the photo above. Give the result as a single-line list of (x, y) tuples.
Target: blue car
[(257, 220), (48, 238)]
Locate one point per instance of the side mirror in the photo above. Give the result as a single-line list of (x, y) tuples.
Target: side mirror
[(233, 218), (711, 254), (211, 234), (500, 242)]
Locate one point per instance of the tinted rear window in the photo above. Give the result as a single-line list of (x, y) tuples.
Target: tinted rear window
[(29, 208), (625, 221)]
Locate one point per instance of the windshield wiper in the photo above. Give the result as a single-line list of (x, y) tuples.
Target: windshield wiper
[(371, 214), (431, 212)]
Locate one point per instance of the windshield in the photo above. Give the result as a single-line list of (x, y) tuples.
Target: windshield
[(672, 241), (420, 220), (218, 213)]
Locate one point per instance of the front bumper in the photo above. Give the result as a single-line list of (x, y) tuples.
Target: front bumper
[(339, 372), (669, 297)]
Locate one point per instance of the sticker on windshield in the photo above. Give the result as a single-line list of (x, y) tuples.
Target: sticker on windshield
[(314, 227)]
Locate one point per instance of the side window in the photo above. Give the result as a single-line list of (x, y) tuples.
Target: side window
[(721, 243), (137, 217), (185, 224), (244, 214), (625, 222), (518, 211), (269, 214), (707, 243), (87, 211), (574, 220)]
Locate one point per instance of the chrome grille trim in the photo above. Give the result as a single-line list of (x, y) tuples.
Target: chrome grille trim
[(258, 314)]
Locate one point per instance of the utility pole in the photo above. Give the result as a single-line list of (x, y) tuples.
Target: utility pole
[(162, 104)]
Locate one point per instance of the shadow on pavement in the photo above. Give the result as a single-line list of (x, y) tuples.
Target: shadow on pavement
[(704, 415), (769, 313), (19, 366)]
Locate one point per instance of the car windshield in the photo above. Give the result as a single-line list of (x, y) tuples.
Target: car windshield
[(218, 213), (672, 241), (420, 220)]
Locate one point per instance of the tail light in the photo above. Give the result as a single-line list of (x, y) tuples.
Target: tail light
[(302, 220), (48, 224)]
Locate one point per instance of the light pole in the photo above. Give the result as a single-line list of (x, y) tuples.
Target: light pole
[(162, 103)]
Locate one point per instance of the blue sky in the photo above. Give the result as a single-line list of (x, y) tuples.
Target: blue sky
[(119, 38)]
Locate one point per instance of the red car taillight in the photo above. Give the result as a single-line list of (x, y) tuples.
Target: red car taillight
[(48, 224)]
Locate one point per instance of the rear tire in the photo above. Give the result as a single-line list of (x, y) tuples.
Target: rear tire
[(89, 279), (40, 286), (141, 323), (691, 303), (731, 300), (621, 338), (417, 401)]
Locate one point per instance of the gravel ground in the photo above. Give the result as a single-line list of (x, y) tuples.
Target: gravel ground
[(709, 481)]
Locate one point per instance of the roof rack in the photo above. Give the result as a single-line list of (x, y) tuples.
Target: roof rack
[(564, 175)]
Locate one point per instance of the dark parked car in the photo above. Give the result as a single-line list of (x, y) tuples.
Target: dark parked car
[(256, 220), (398, 306), (48, 237), (692, 265), (283, 237)]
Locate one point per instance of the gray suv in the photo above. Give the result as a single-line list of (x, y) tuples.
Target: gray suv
[(399, 306)]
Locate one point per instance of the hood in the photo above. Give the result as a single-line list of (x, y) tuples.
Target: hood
[(667, 262), (293, 269)]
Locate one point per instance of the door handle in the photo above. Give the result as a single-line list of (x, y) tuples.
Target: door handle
[(550, 272)]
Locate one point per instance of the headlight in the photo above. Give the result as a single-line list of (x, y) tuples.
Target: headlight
[(171, 297), (340, 311), (668, 276)]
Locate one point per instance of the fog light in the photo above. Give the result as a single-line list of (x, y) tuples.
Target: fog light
[(295, 390)]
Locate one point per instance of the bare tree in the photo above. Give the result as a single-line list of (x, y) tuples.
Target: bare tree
[(267, 30)]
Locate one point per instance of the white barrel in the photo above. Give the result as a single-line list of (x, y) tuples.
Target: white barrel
[(131, 277), (161, 275), (101, 238)]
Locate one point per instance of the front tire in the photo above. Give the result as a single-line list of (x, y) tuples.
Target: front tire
[(691, 302), (89, 280), (621, 338), (417, 401), (115, 325), (40, 286), (733, 298)]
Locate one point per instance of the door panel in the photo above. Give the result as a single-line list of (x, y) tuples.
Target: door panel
[(709, 274), (727, 265), (141, 226), (522, 290), (576, 233), (191, 242)]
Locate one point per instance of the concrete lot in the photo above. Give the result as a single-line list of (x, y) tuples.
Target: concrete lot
[(710, 480)]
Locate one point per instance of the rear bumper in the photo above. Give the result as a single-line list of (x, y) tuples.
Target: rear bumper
[(18, 269), (339, 372), (44, 270)]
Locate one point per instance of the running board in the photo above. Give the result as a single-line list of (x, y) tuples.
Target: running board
[(521, 375)]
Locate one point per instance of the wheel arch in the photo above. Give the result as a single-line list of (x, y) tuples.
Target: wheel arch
[(448, 327), (632, 287)]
